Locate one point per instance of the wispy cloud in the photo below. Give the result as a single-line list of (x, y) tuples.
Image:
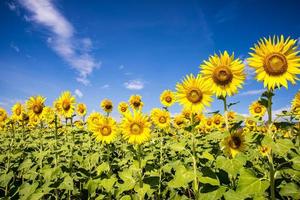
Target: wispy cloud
[(15, 47), (250, 72), (252, 92), (78, 93), (121, 67), (75, 51), (134, 84), (106, 86)]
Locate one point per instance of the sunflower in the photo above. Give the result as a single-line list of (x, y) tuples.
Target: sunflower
[(81, 109), (161, 118), (218, 121), (198, 117), (224, 74), (135, 101), (136, 128), (48, 115), (179, 121), (276, 61), (66, 104), (93, 119), (193, 93), (234, 143), (79, 124), (107, 105), (296, 104), (35, 106), (231, 115), (105, 130), (167, 98), (256, 109), (123, 108), (265, 150), (187, 113), (3, 115), (250, 123), (17, 112)]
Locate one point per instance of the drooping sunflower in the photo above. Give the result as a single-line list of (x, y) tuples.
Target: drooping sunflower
[(276, 61), (3, 115), (161, 118), (194, 93), (167, 98), (224, 74), (135, 101), (105, 130), (256, 109), (107, 105), (18, 111), (179, 121), (66, 104), (93, 119), (136, 128), (35, 106), (123, 108), (81, 109), (234, 144)]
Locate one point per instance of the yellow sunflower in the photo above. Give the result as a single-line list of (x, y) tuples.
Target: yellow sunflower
[(107, 105), (17, 112), (136, 128), (276, 61), (79, 124), (199, 117), (66, 104), (81, 109), (105, 130), (93, 119), (3, 115), (296, 104), (218, 121), (48, 115), (231, 115), (135, 101), (161, 118), (224, 74), (123, 108), (265, 150), (257, 110), (35, 106), (179, 121), (167, 98), (250, 123), (234, 144), (194, 93), (187, 113)]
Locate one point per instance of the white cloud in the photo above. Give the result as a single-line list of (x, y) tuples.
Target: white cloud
[(106, 86), (121, 67), (134, 85), (78, 93), (75, 51), (250, 72), (277, 112), (15, 47), (252, 92), (12, 6)]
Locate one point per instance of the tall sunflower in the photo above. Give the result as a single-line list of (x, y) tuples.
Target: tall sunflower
[(234, 144), (167, 98), (161, 118), (256, 109), (123, 108), (93, 119), (66, 104), (105, 130), (18, 111), (224, 74), (136, 128), (296, 105), (135, 101), (3, 115), (107, 105), (276, 61), (179, 121), (81, 109), (35, 106), (194, 93)]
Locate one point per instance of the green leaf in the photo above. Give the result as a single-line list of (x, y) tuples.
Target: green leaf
[(214, 195), (182, 177), (26, 190), (249, 184), (282, 146), (142, 191), (126, 197), (102, 168), (178, 146), (108, 184), (233, 195), (207, 155), (129, 182), (208, 180), (92, 186), (67, 184), (231, 166), (290, 190), (26, 164), (296, 162), (5, 179)]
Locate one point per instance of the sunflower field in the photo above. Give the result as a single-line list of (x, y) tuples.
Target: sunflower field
[(61, 152)]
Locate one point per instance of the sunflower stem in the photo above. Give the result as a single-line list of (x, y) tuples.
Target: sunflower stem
[(196, 185), (160, 164), (140, 166), (269, 107), (225, 112)]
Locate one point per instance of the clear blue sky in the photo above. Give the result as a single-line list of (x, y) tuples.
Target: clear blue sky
[(117, 48)]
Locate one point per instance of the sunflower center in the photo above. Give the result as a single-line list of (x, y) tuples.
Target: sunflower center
[(195, 96), (162, 120), (37, 109), (123, 109), (136, 104), (136, 129), (257, 110), (1, 113), (222, 75), (275, 64), (235, 142), (106, 130), (217, 122), (18, 111), (208, 123), (66, 105), (108, 107), (264, 149), (179, 123), (168, 99), (25, 117)]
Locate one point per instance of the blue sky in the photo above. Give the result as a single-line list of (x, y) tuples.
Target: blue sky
[(112, 49)]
